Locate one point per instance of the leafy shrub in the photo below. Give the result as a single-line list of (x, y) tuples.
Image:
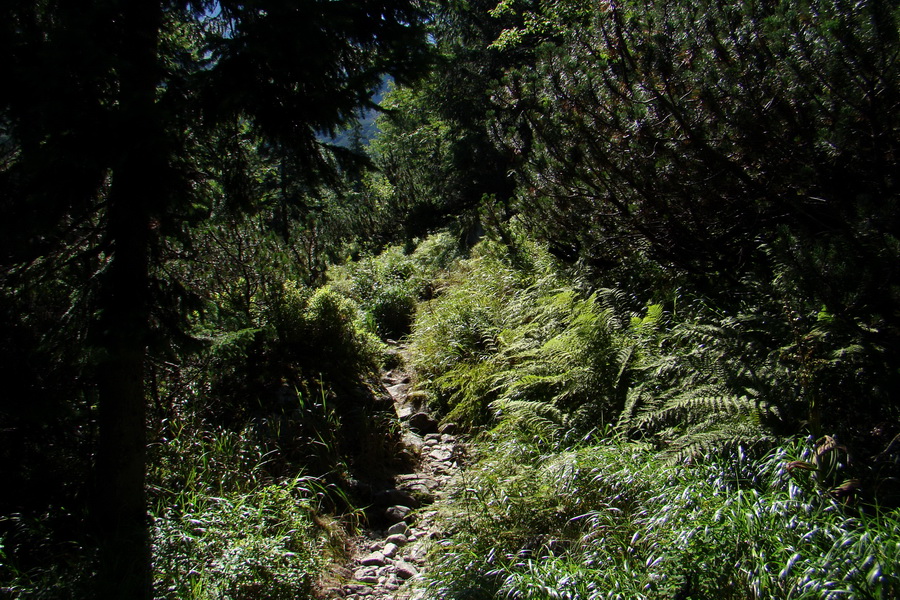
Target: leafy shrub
[(224, 527), (686, 167), (321, 330), (307, 339), (388, 286), (392, 310)]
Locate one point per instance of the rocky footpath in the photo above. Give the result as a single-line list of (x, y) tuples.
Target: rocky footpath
[(391, 554)]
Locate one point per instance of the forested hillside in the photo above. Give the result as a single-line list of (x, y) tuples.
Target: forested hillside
[(643, 259)]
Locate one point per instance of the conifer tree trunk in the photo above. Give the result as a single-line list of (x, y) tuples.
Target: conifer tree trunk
[(121, 506), (122, 519)]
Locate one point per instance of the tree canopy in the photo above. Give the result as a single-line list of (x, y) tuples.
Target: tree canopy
[(119, 126)]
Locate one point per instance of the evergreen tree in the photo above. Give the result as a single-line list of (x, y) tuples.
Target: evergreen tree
[(701, 130), (102, 114), (436, 144), (749, 148)]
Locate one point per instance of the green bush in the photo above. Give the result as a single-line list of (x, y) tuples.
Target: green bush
[(306, 340), (685, 170), (393, 310), (224, 527), (388, 286), (322, 330)]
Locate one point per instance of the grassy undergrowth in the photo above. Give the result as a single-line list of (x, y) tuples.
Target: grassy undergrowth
[(276, 426), (614, 521), (262, 543), (225, 528), (649, 447), (250, 470), (609, 460)]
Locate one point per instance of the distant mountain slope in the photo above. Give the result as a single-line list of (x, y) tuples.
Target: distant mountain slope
[(366, 126)]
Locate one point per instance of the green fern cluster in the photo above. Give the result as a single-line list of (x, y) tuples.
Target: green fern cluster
[(511, 342), (457, 335), (698, 386), (568, 357), (508, 339)]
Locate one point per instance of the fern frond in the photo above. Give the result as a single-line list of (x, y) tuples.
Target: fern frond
[(537, 418), (623, 358), (694, 408), (722, 439), (634, 399)]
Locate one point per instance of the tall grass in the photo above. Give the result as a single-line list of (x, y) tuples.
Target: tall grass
[(262, 543), (225, 528), (614, 521)]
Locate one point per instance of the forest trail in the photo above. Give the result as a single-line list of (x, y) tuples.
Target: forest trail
[(390, 554)]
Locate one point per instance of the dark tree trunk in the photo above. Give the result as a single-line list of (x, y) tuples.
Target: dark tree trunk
[(121, 518), (121, 508)]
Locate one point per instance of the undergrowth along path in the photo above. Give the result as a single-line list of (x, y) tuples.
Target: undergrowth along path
[(390, 555)]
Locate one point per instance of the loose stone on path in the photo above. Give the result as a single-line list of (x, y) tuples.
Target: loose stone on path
[(376, 559), (386, 560)]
